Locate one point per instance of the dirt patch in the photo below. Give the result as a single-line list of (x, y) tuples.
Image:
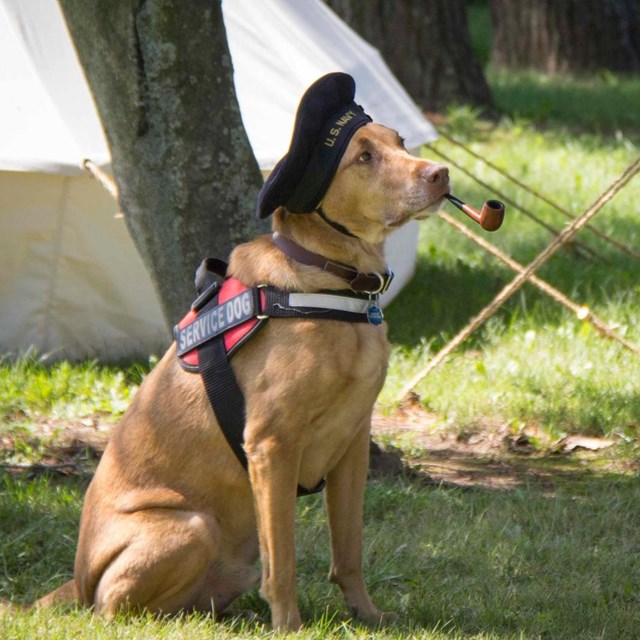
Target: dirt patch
[(492, 455), (410, 443), (61, 447)]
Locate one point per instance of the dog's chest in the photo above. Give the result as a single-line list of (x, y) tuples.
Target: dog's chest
[(311, 384), (335, 402), (367, 360)]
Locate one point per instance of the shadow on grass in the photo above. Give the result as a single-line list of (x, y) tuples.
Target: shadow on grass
[(455, 281), (559, 101), (439, 301), (39, 518), (555, 556)]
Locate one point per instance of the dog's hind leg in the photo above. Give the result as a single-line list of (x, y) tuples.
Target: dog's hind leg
[(345, 503), (226, 580), (166, 567)]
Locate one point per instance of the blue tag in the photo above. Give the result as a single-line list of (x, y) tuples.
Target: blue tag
[(374, 314)]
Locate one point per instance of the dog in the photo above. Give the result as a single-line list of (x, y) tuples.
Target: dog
[(172, 521)]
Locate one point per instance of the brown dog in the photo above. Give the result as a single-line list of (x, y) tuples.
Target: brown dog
[(171, 520)]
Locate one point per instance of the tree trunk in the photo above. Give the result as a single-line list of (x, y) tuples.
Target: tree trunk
[(563, 36), (427, 45), (162, 79)]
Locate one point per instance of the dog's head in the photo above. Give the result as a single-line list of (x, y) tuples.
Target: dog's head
[(356, 173), (380, 186)]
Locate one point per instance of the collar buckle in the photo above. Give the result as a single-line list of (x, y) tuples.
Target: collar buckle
[(372, 283)]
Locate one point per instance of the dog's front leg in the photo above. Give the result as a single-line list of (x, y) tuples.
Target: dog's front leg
[(345, 502), (274, 472)]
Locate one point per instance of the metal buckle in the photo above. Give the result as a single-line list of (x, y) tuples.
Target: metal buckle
[(261, 316), (383, 280), (382, 284), (388, 279)]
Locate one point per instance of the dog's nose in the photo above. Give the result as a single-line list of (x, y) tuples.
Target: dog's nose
[(435, 173)]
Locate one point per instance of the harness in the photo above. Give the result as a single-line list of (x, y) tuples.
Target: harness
[(227, 313)]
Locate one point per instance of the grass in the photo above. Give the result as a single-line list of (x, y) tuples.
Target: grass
[(38, 532), (601, 103), (534, 361), (477, 564), (30, 389)]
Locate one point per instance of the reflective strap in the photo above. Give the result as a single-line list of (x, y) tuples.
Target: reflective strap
[(328, 301)]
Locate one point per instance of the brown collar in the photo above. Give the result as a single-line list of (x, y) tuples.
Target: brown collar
[(371, 283)]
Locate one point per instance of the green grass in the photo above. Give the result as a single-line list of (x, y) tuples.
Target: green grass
[(38, 531), (464, 563), (31, 390), (534, 361), (602, 103)]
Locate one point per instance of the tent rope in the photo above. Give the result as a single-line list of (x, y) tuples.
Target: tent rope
[(581, 311), (576, 245), (102, 177), (567, 214), (561, 240)]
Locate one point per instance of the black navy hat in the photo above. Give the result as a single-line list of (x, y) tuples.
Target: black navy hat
[(326, 119)]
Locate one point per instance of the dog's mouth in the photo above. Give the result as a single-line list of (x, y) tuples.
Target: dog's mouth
[(430, 210), (418, 214)]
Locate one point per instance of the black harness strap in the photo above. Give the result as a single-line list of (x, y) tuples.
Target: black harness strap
[(225, 396), (214, 364)]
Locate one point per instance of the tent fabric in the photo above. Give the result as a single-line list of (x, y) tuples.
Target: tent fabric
[(71, 282), (48, 122), (280, 47)]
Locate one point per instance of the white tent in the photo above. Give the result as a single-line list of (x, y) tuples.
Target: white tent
[(71, 282)]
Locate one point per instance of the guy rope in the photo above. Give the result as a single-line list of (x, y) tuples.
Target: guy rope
[(561, 240)]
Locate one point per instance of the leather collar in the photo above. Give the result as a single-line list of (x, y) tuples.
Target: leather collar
[(371, 283)]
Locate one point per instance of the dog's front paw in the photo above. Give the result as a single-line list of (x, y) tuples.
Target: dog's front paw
[(287, 621), (373, 617)]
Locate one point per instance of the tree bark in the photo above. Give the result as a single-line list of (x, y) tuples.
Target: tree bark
[(427, 45), (564, 36), (162, 78)]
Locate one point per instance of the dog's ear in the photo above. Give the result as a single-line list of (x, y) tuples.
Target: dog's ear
[(326, 119)]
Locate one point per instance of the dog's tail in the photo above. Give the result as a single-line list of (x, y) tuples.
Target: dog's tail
[(66, 594)]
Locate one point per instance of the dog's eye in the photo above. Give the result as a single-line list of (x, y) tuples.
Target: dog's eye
[(365, 157)]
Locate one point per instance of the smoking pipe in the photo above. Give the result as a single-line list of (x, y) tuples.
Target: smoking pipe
[(491, 216)]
